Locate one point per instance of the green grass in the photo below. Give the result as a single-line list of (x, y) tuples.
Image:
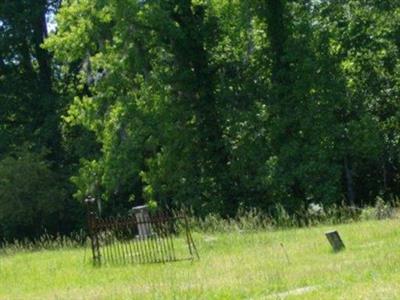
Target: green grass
[(290, 264)]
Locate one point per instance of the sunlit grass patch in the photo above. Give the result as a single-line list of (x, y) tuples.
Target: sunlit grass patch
[(291, 264)]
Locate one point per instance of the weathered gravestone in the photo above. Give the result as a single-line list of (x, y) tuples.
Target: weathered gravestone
[(335, 240), (143, 221)]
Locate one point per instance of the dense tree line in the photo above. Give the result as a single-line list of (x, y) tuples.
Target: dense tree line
[(217, 105)]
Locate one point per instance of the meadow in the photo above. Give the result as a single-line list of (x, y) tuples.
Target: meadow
[(254, 264)]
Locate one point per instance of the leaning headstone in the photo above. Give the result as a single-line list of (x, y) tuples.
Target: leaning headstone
[(335, 240), (143, 220)]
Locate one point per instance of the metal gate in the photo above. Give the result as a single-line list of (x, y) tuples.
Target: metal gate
[(151, 238)]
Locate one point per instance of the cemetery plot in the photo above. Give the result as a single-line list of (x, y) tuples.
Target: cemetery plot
[(140, 238)]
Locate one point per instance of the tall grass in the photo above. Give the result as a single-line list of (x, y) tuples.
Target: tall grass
[(254, 219), (246, 220), (45, 242)]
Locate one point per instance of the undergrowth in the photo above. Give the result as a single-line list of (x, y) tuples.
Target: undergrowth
[(245, 220)]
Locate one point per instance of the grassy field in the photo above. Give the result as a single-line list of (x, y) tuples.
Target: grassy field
[(287, 264)]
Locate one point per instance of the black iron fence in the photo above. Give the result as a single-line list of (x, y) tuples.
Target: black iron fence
[(140, 238)]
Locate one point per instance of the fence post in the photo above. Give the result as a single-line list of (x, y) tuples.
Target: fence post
[(189, 239), (92, 228)]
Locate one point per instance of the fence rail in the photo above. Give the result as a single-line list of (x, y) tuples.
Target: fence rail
[(153, 238)]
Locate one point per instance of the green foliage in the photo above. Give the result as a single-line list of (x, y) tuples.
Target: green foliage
[(220, 105), (31, 199), (28, 104)]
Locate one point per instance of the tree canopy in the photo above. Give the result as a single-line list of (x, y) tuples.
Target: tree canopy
[(217, 105)]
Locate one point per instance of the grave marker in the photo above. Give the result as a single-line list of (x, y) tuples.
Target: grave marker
[(335, 240)]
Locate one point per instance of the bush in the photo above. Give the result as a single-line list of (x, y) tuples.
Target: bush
[(381, 210), (32, 202)]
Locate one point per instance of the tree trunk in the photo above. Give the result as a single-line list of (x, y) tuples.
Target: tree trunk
[(277, 33), (43, 57), (384, 175), (349, 182)]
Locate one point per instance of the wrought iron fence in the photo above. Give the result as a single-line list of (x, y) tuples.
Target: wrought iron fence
[(140, 238)]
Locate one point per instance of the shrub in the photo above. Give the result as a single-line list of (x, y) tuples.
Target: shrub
[(32, 201), (381, 210)]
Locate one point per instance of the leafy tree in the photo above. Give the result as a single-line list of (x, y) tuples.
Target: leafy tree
[(224, 104), (28, 103), (31, 102)]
